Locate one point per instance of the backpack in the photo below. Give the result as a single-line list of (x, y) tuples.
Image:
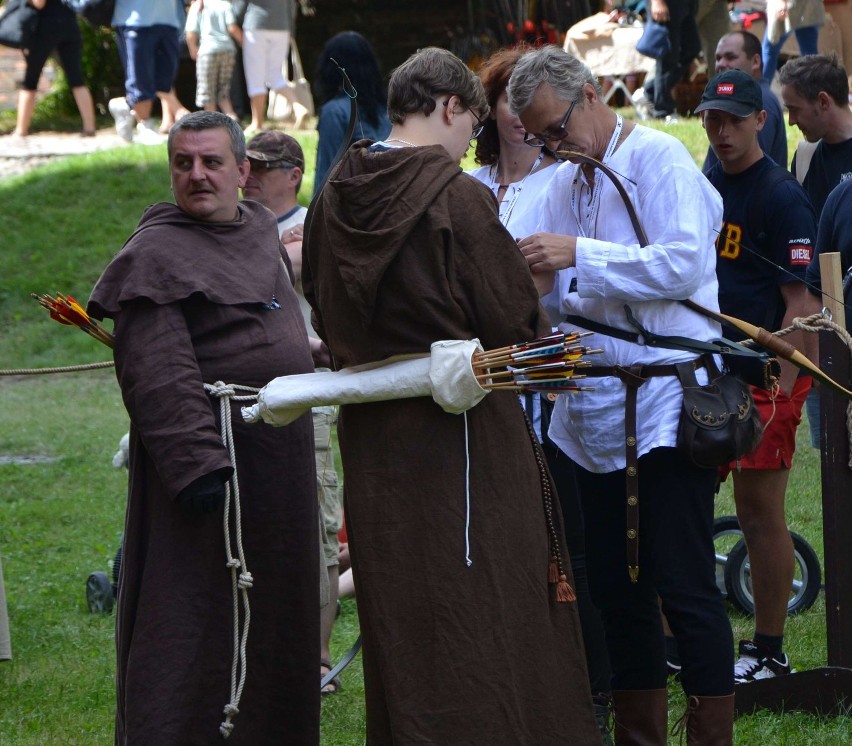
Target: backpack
[(94, 12)]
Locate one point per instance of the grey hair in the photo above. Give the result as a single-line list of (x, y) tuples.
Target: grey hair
[(564, 72), (211, 120)]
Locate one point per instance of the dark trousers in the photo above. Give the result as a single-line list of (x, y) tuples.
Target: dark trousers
[(563, 471), (676, 565), (685, 46)]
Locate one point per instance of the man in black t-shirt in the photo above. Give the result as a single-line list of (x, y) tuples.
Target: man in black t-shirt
[(763, 250), (815, 90)]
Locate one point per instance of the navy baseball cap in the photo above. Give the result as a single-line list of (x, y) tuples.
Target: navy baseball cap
[(732, 91)]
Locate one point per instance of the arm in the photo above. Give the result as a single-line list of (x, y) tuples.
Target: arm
[(495, 287), (660, 11), (294, 251), (163, 392), (331, 128), (192, 44), (236, 33), (796, 305)]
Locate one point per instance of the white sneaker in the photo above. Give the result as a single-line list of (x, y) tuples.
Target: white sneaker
[(124, 119), (148, 134), (752, 667)]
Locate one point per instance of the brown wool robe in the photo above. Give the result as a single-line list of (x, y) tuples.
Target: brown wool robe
[(193, 303), (403, 250)]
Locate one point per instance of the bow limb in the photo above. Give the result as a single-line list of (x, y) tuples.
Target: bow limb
[(768, 340), (774, 344)]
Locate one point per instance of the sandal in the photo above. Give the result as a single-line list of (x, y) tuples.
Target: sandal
[(333, 686)]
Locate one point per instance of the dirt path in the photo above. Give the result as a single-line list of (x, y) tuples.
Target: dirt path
[(21, 154)]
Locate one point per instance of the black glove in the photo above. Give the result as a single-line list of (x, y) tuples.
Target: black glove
[(205, 495)]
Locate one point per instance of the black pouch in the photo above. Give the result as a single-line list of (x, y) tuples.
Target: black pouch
[(757, 368), (719, 422)]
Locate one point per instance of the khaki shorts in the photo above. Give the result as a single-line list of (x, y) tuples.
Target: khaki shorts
[(328, 489)]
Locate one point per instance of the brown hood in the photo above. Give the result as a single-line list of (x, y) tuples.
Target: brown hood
[(171, 256), (366, 224)]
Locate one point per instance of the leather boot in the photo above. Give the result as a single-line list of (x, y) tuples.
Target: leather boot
[(708, 721), (641, 717)]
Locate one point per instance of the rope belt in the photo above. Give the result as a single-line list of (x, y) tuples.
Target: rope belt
[(633, 377), (241, 578)]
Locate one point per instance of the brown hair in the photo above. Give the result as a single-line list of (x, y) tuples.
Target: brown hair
[(424, 76), (816, 73), (494, 74)]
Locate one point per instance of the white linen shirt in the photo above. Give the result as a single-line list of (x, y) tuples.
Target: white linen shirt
[(681, 213), (525, 212)]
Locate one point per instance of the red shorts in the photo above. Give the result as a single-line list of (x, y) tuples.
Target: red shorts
[(778, 444)]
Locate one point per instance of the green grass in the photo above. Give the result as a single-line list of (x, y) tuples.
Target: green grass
[(59, 521)]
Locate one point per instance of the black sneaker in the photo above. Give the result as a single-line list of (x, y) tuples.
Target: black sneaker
[(751, 666)]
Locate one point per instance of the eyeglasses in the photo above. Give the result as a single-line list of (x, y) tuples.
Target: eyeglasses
[(269, 165), (480, 125), (539, 141)]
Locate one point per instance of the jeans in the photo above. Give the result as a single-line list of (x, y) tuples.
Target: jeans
[(685, 46), (805, 37)]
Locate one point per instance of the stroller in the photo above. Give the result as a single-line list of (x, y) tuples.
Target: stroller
[(101, 590)]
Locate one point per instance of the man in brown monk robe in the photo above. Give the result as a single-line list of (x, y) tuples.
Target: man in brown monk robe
[(451, 531), (202, 293)]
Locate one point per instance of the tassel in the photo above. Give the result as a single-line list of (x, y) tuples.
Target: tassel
[(553, 571), (564, 591), (633, 572)]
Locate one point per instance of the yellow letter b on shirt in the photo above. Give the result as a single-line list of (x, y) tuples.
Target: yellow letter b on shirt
[(730, 239)]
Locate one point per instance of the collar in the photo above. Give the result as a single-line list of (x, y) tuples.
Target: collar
[(288, 214)]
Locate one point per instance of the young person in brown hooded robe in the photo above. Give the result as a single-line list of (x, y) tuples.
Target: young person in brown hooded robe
[(200, 293), (464, 638)]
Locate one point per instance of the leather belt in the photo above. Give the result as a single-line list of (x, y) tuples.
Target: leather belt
[(633, 377)]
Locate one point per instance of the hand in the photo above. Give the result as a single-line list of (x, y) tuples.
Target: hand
[(320, 353), (293, 234), (205, 495), (660, 11), (547, 252)]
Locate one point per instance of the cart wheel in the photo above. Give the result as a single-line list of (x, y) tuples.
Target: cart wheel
[(99, 594), (726, 533), (806, 580)]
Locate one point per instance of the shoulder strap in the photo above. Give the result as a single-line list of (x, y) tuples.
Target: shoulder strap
[(643, 336), (804, 154)]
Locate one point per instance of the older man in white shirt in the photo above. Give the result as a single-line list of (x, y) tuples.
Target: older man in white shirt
[(633, 481)]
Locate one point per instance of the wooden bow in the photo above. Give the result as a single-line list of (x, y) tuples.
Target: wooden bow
[(770, 341)]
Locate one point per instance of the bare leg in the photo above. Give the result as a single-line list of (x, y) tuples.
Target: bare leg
[(26, 106), (759, 496), (346, 585), (142, 110), (173, 109), (328, 614), (258, 111), (83, 99), (226, 107)]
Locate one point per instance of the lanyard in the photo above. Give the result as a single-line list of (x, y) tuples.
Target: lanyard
[(595, 195), (506, 213)]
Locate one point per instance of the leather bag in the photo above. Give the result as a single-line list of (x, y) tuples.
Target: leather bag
[(298, 91), (719, 422), (18, 22), (654, 41)]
